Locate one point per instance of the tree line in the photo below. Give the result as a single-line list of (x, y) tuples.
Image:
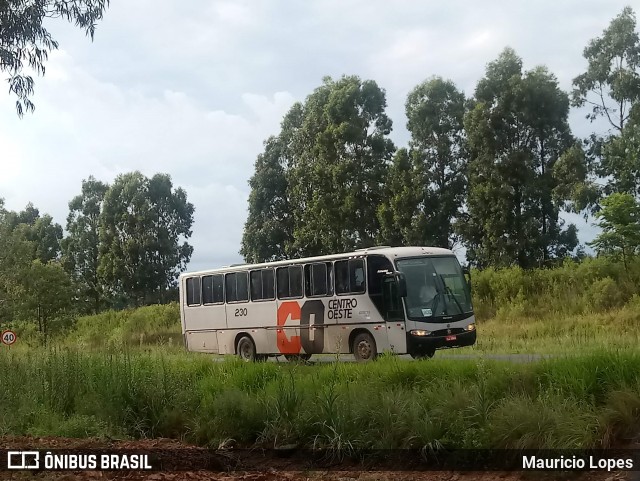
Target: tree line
[(125, 245), (491, 172)]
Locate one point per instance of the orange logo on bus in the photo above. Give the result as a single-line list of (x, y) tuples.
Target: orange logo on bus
[(286, 345)]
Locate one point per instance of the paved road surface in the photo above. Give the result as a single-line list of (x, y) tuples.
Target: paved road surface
[(515, 358)]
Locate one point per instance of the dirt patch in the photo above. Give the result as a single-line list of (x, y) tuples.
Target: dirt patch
[(272, 470)]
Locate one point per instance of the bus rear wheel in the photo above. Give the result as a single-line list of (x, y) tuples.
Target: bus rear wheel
[(364, 347), (246, 350), (297, 357)]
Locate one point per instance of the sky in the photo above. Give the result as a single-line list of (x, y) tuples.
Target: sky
[(193, 88)]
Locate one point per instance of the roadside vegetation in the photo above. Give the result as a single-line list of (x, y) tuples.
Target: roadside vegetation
[(575, 402)]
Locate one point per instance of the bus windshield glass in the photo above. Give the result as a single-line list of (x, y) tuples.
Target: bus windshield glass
[(436, 287)]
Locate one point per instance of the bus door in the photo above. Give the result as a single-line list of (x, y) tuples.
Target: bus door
[(394, 313)]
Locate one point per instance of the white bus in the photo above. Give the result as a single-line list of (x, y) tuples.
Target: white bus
[(404, 300)]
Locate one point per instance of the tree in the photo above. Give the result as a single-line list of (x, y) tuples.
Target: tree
[(399, 214), (620, 224), (81, 247), (611, 87), (517, 129), (25, 42), (268, 230), (40, 230), (339, 158), (435, 110), (611, 84), (44, 293), (144, 226)]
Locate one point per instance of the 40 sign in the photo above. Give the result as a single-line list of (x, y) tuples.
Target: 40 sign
[(8, 337)]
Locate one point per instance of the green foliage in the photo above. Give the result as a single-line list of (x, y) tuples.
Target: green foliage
[(268, 231), (338, 153), (144, 225), (398, 214), (81, 247), (577, 402), (620, 224), (149, 325), (435, 112), (611, 84), (25, 42), (517, 128), (570, 289)]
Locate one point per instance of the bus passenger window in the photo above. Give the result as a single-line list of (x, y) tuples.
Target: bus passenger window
[(350, 276), (256, 285), (262, 284), (193, 291), (268, 287), (356, 271), (342, 277), (295, 281), (207, 290), (283, 282), (218, 289), (319, 279), (242, 286), (237, 287)]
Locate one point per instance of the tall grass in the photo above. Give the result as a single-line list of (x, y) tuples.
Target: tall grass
[(580, 401)]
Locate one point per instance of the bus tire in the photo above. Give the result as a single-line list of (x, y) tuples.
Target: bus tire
[(297, 357), (364, 347), (424, 355), (246, 349)]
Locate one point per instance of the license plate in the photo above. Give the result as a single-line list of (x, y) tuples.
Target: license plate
[(450, 338)]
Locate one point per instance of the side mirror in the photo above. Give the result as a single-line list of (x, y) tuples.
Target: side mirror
[(402, 285)]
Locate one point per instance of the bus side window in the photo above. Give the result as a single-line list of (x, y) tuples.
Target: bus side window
[(218, 289), (282, 274), (341, 269), (316, 279), (207, 290), (356, 275), (268, 284), (242, 283), (295, 281), (262, 284), (193, 291), (230, 287)]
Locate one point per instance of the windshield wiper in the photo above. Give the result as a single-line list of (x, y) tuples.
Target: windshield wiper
[(450, 292)]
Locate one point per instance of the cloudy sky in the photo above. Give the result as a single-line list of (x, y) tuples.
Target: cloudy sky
[(193, 88)]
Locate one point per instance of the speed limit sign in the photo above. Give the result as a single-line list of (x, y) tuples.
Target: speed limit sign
[(8, 337)]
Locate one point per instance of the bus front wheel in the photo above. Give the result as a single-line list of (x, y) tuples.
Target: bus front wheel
[(424, 355), (246, 349), (364, 347)]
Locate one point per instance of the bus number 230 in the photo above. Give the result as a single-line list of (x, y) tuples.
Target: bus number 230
[(241, 312)]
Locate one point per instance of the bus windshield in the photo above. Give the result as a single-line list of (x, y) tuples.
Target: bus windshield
[(436, 287)]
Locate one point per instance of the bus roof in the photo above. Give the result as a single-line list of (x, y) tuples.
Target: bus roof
[(392, 252)]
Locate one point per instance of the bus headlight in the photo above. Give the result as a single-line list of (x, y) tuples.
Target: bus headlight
[(419, 332), (471, 327)]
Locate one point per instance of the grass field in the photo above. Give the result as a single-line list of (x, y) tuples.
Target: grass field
[(582, 401)]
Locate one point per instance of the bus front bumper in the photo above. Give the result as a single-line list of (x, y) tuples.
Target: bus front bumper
[(422, 345)]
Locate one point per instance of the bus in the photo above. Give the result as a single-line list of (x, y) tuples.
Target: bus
[(402, 300)]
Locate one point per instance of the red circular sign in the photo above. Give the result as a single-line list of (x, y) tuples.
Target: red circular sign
[(8, 337)]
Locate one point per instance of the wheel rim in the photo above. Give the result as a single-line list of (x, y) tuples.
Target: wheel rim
[(246, 351), (364, 349)]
